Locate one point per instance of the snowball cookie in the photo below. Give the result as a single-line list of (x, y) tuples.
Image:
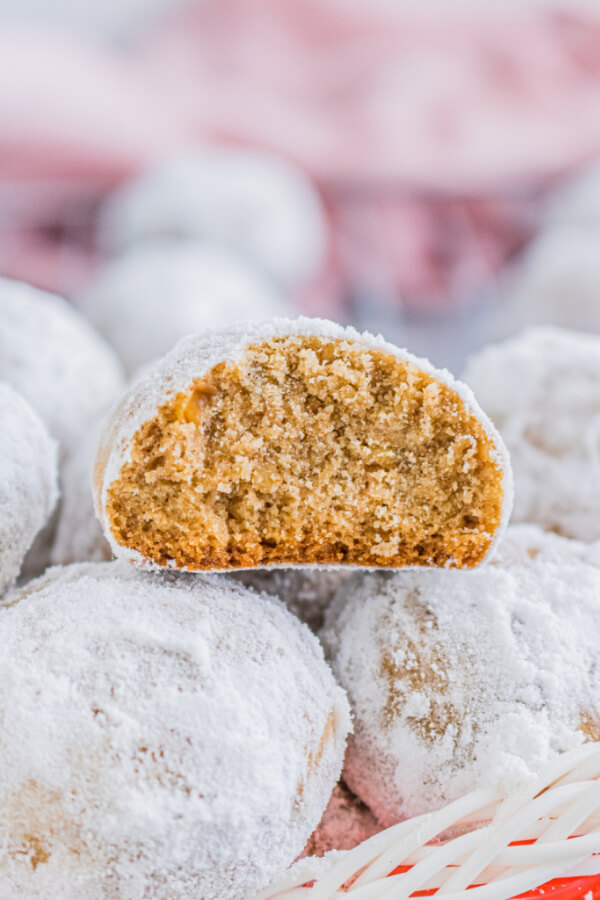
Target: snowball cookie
[(78, 535), (145, 301), (177, 737), (557, 282), (50, 354), (306, 592), (28, 481), (262, 207), (464, 680), (541, 389), (287, 442)]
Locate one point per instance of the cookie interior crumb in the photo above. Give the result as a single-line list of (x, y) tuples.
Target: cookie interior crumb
[(310, 450)]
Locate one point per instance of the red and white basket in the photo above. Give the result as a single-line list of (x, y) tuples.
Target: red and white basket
[(543, 840)]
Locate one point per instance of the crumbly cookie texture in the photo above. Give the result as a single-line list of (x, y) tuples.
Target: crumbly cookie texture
[(541, 389), (289, 442), (468, 680), (28, 481), (177, 736), (54, 358)]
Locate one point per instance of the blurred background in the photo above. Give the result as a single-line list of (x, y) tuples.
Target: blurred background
[(430, 171)]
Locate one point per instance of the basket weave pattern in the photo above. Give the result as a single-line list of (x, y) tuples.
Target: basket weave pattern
[(480, 847)]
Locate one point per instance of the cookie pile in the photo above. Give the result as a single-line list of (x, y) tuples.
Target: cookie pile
[(169, 728)]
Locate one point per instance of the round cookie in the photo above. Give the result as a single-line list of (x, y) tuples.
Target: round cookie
[(51, 355), (158, 292), (469, 680), (299, 442), (306, 592), (260, 206), (28, 481), (176, 737), (541, 390)]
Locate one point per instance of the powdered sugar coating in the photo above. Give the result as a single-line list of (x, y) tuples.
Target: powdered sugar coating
[(195, 355), (541, 390), (260, 206), (50, 354), (177, 736), (158, 292), (460, 680), (557, 282), (306, 592), (28, 481), (78, 536)]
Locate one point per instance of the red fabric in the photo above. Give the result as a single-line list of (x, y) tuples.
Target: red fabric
[(430, 136)]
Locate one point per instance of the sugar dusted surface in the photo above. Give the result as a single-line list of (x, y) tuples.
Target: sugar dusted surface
[(178, 736), (146, 300), (541, 389), (78, 536), (51, 355), (460, 680), (194, 356), (28, 481)]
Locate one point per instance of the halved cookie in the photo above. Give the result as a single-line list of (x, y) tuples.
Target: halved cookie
[(299, 442)]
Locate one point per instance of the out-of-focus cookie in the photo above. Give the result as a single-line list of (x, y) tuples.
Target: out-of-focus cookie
[(146, 300), (54, 358), (541, 390), (260, 206), (28, 481)]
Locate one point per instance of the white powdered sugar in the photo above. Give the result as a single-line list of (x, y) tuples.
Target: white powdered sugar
[(262, 207), (78, 535), (28, 481), (542, 391), (51, 355), (158, 292), (464, 680), (306, 592), (194, 356), (163, 736)]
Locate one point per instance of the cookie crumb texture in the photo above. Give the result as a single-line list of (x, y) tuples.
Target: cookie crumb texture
[(310, 450)]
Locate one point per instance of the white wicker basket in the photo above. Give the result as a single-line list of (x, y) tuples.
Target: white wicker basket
[(501, 846)]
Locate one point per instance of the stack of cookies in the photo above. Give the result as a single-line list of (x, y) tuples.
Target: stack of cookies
[(170, 729)]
